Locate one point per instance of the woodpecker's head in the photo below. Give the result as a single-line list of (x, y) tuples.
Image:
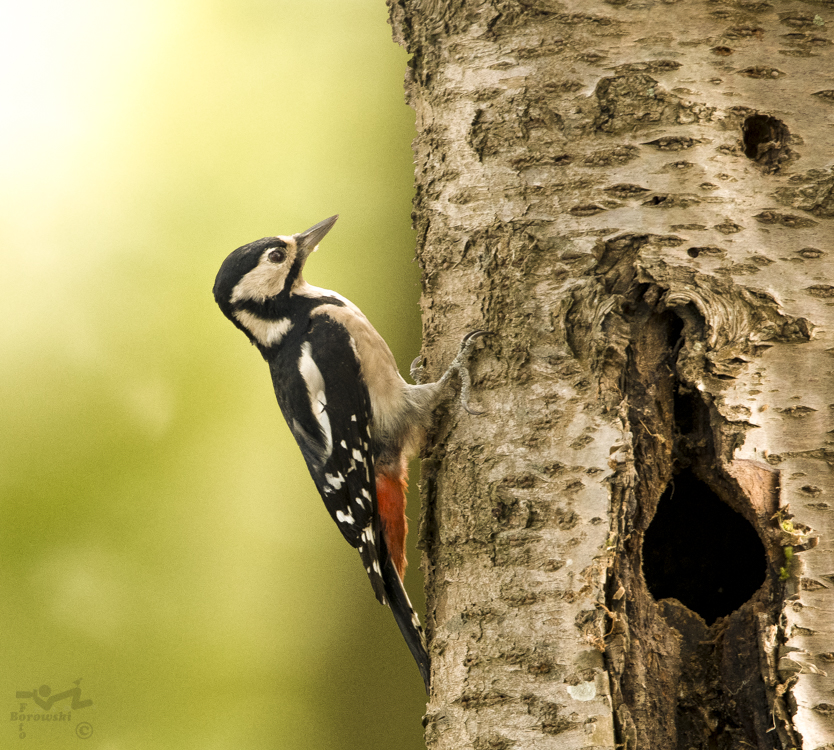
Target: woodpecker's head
[(256, 273)]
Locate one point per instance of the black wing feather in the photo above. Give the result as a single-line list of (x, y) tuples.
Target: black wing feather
[(337, 448), (340, 460)]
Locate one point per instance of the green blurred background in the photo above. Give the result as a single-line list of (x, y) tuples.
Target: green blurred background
[(161, 538)]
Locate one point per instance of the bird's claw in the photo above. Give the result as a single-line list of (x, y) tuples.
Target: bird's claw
[(417, 370), (461, 364), (470, 338)]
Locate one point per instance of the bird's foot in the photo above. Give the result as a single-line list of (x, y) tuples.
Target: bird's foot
[(417, 370), (460, 365)]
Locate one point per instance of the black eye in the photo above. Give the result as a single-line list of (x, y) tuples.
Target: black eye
[(278, 255)]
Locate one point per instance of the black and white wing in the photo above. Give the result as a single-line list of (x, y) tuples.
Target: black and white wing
[(327, 407)]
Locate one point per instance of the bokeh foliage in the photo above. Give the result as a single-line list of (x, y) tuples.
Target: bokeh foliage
[(162, 540)]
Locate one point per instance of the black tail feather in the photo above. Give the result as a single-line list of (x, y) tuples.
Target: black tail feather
[(407, 620)]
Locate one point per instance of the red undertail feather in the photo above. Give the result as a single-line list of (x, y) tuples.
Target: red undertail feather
[(390, 496)]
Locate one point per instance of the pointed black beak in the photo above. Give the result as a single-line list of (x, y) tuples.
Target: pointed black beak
[(307, 241)]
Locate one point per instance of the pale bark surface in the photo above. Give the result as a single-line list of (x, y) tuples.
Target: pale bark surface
[(636, 198)]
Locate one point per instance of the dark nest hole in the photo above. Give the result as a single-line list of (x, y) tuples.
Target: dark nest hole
[(700, 551)]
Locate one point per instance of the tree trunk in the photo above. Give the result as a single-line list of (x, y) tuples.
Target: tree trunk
[(634, 198)]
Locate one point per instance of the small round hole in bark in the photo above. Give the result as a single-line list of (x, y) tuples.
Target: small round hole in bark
[(701, 552), (765, 140)]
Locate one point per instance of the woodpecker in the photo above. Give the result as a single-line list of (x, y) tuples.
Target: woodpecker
[(355, 419)]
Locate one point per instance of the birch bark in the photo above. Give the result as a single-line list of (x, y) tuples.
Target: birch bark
[(636, 199)]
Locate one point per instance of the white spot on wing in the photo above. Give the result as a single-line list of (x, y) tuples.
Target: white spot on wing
[(345, 517), (315, 390), (335, 481)]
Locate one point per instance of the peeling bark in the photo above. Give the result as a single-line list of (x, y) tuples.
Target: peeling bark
[(634, 198)]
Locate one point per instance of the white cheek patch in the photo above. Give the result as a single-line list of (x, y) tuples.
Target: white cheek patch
[(315, 390), (267, 332), (265, 280)]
